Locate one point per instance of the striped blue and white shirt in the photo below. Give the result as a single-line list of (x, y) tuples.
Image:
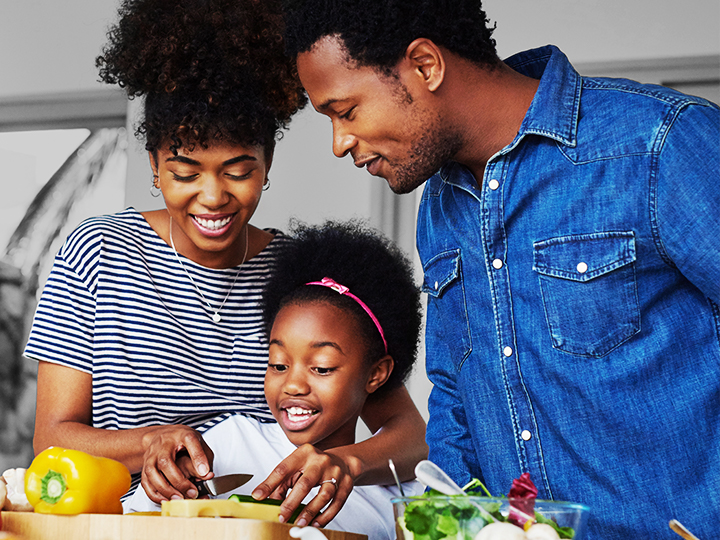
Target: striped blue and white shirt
[(118, 305)]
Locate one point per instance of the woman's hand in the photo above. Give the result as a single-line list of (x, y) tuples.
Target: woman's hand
[(302, 470), (173, 454)]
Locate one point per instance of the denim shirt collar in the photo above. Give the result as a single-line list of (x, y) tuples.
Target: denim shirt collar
[(555, 108)]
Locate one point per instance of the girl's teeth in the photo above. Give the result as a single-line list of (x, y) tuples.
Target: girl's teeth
[(213, 224), (297, 411)]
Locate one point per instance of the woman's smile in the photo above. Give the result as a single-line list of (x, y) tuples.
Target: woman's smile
[(213, 225)]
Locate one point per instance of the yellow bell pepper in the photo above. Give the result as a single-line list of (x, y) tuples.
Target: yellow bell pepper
[(61, 481)]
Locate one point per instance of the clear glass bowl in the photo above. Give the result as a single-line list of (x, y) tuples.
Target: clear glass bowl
[(460, 519)]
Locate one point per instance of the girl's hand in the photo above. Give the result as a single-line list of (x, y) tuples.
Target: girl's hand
[(173, 454), (302, 470)]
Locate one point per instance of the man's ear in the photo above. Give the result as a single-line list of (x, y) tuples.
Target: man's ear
[(427, 61), (380, 373)]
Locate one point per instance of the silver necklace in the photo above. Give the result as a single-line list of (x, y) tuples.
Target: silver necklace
[(215, 314)]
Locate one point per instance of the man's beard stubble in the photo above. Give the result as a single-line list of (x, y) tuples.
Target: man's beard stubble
[(433, 148)]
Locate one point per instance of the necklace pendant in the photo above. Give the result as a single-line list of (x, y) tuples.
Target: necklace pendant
[(216, 318)]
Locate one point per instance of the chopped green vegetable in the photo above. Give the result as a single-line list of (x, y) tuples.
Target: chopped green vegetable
[(274, 502), (249, 499)]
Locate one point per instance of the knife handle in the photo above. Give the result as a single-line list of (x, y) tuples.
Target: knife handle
[(202, 488)]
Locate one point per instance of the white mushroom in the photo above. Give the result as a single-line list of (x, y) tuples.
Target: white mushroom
[(501, 531), (542, 531), (16, 500)]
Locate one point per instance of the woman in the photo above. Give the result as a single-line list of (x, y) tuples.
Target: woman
[(149, 331)]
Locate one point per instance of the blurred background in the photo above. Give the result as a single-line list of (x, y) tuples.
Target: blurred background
[(68, 152)]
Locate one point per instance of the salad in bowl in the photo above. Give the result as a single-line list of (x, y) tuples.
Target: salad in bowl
[(477, 515)]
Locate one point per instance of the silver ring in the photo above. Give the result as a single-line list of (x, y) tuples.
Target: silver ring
[(332, 480)]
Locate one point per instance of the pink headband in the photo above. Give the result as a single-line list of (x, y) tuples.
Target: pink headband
[(342, 289)]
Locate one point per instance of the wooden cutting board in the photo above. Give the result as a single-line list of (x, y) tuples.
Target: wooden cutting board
[(31, 526)]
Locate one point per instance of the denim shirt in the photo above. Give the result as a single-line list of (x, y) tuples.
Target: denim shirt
[(573, 329)]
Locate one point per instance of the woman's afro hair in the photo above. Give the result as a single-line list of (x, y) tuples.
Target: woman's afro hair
[(376, 33), (209, 70), (372, 267)]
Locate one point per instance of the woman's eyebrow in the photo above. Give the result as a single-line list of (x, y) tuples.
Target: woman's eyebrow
[(239, 159), (183, 159), (231, 161)]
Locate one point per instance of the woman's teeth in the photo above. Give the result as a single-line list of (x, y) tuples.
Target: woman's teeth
[(213, 224)]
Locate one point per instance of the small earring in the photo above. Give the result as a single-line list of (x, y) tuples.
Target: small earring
[(266, 185), (155, 190)]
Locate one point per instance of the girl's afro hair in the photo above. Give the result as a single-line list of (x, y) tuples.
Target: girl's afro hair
[(209, 69), (372, 267)]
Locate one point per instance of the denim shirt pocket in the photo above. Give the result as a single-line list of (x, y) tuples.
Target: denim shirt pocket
[(443, 282), (589, 291)]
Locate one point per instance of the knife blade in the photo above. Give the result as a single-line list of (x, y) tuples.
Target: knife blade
[(221, 484)]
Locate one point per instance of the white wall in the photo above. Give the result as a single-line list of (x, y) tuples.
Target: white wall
[(605, 30), (49, 46)]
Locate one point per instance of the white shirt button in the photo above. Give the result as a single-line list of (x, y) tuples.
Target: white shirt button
[(526, 435), (493, 184), (436, 285), (497, 264), (507, 351), (582, 267)]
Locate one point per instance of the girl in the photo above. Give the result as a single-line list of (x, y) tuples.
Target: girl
[(149, 330), (343, 316)]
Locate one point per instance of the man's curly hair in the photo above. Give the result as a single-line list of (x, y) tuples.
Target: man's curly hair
[(376, 33), (374, 270), (208, 69)]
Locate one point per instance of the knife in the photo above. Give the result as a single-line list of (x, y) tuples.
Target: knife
[(221, 484)]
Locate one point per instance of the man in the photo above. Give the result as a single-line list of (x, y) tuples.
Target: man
[(569, 233)]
